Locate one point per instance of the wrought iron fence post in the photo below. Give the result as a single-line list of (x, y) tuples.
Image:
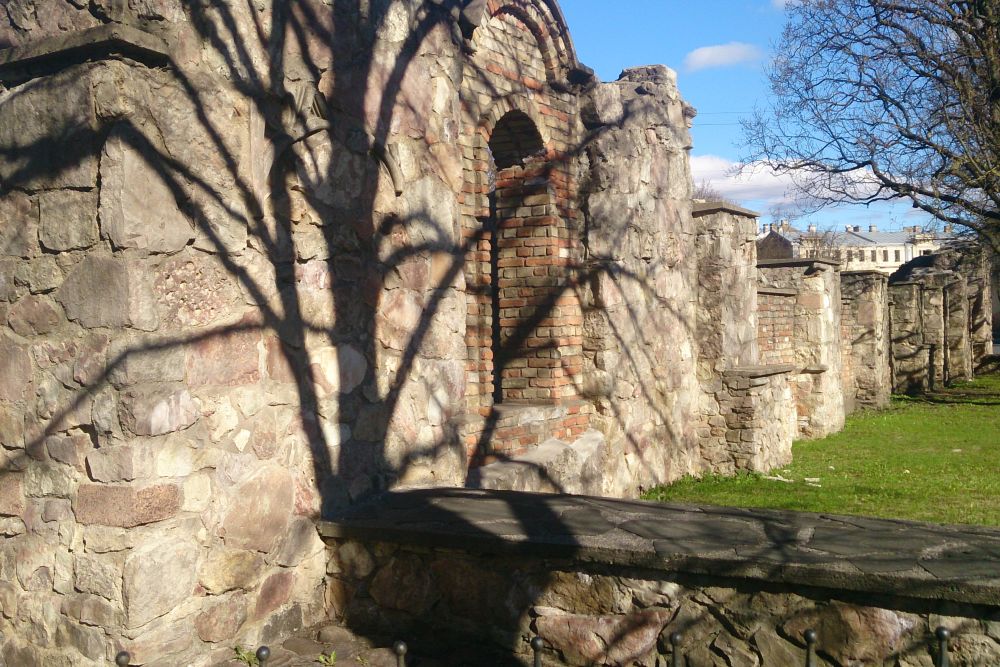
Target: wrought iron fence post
[(399, 648), (537, 644), (675, 649), (943, 635), (123, 658), (263, 655), (810, 637)]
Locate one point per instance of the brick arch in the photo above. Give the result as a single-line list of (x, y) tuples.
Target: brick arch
[(545, 20)]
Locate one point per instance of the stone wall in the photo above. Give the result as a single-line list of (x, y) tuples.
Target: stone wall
[(817, 342), (640, 342), (910, 357), (476, 577), (865, 324)]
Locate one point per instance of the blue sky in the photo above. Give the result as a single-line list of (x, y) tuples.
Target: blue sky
[(719, 49)]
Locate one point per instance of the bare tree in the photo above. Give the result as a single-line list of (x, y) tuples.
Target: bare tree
[(882, 100)]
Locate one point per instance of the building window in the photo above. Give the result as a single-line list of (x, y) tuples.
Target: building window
[(850, 255), (926, 252), (896, 252), (874, 256), (885, 255)]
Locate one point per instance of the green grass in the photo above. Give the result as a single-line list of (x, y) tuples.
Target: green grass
[(930, 458)]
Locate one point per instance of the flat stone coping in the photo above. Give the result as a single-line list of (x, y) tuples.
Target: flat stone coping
[(795, 261), (74, 47), (865, 272), (778, 291), (699, 209), (855, 554), (758, 371)]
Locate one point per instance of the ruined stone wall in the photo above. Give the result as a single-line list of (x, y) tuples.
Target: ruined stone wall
[(866, 331), (639, 305), (910, 357), (759, 410), (817, 338), (233, 296)]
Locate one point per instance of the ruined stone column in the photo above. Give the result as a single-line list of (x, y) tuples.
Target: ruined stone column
[(865, 298)]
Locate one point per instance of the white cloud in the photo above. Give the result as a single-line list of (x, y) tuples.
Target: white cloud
[(721, 55), (779, 4), (759, 184)]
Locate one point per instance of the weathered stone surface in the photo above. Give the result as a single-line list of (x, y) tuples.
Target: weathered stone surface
[(274, 592), (603, 639), (68, 220), (221, 620), (18, 225), (224, 570), (108, 292), (194, 290), (158, 409), (147, 569), (98, 576), (34, 315), (125, 506), (338, 370), (35, 561), (145, 358), (138, 209), (15, 370), (38, 275), (260, 510), (301, 540), (90, 642), (855, 635), (228, 358), (118, 464), (403, 584)]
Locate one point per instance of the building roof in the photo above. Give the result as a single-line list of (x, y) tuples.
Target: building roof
[(859, 238)]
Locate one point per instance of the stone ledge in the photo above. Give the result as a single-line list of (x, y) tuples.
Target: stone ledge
[(901, 559), (75, 47), (758, 371), (815, 369), (699, 209), (778, 291), (795, 261)]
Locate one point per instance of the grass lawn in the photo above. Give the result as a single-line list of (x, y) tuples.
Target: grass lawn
[(930, 458)]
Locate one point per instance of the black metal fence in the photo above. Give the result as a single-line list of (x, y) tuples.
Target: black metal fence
[(941, 659)]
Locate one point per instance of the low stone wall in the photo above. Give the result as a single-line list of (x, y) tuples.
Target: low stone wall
[(776, 325), (606, 582)]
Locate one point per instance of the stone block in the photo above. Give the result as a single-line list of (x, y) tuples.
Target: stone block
[(8, 600), (104, 539), (108, 292), (301, 540), (145, 358), (97, 576), (90, 642), (125, 506), (260, 510), (68, 220), (613, 639), (158, 577), (11, 494), (15, 370), (274, 592), (138, 209), (224, 570), (157, 409), (227, 358), (69, 449), (194, 290), (118, 464), (38, 275), (18, 225), (221, 620), (35, 559)]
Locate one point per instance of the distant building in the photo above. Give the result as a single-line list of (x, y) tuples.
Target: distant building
[(857, 250)]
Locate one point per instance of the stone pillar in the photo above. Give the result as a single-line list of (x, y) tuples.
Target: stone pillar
[(865, 298), (910, 356), (817, 336)]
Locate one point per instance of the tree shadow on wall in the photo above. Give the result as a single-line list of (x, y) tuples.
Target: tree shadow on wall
[(335, 221)]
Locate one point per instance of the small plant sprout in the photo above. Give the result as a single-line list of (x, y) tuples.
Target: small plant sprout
[(327, 659), (246, 656)]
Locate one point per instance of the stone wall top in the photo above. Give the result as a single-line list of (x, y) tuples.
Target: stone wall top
[(699, 209), (902, 559), (759, 371), (17, 63), (807, 262), (777, 291)]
